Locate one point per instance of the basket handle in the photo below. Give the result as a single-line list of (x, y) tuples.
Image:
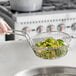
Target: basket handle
[(22, 33)]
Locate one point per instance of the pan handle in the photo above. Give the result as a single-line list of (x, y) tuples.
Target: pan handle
[(24, 34)]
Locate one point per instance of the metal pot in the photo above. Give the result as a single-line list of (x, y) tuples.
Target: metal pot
[(49, 71), (26, 5)]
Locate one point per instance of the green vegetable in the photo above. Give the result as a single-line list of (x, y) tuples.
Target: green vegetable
[(54, 48), (50, 40), (61, 42)]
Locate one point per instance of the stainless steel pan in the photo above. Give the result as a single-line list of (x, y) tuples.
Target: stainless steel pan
[(49, 71)]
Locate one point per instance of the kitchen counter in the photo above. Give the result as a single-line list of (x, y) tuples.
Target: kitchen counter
[(16, 56)]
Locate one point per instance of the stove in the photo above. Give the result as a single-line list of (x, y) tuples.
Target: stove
[(54, 16)]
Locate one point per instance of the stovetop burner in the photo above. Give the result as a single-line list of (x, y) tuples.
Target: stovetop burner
[(48, 5)]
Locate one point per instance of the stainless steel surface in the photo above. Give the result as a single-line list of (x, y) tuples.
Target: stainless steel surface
[(49, 71), (26, 5), (17, 56)]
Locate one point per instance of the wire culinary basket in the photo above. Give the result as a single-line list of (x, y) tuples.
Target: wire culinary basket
[(47, 53)]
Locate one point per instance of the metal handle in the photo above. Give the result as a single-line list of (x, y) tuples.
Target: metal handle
[(22, 33)]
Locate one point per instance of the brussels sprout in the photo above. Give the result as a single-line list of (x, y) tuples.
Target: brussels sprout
[(61, 42), (54, 48), (50, 40)]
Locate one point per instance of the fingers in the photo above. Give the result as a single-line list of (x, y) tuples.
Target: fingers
[(4, 27), (7, 26), (9, 30)]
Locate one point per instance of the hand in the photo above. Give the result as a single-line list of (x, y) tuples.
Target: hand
[(4, 27)]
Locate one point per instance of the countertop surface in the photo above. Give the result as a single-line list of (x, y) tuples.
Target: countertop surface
[(16, 56)]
